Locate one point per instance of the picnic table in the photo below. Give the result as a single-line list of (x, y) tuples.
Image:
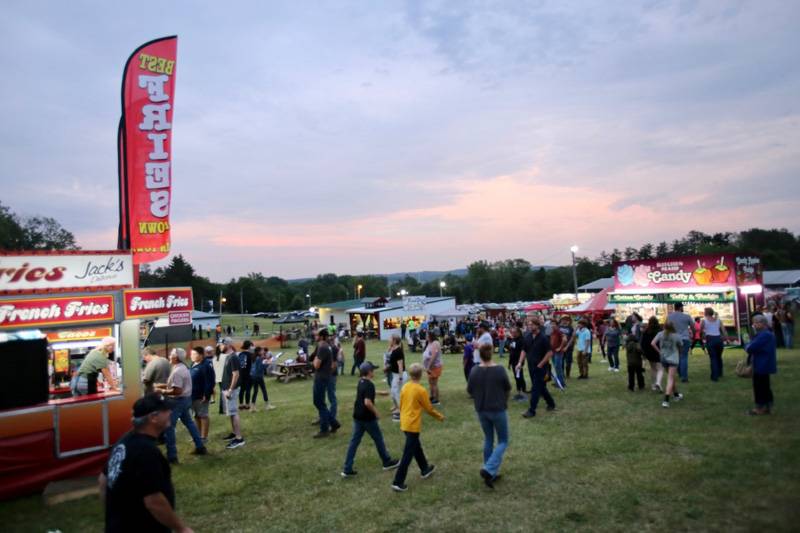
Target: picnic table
[(288, 371)]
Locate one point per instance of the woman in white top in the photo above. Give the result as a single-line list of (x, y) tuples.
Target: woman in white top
[(218, 362), (432, 362), (713, 334), (668, 343)]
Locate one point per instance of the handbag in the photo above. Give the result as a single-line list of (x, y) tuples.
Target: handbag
[(744, 369)]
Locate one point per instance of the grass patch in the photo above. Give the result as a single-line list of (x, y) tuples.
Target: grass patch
[(606, 460)]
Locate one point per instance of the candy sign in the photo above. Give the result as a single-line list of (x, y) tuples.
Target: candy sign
[(674, 273), (154, 302)]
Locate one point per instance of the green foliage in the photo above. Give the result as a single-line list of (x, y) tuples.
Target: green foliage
[(501, 281), (33, 233)]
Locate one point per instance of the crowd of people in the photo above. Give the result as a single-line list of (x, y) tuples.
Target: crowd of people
[(177, 389)]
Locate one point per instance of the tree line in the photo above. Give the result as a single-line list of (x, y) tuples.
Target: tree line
[(501, 281)]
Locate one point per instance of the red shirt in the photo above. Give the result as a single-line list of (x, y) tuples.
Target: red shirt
[(556, 338)]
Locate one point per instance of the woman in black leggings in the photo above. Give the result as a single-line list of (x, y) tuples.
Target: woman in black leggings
[(514, 346)]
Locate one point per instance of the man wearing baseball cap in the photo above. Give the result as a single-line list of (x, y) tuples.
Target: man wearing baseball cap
[(136, 484), (365, 418)]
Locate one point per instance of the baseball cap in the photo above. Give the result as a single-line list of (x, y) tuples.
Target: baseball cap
[(151, 403), (366, 367), (228, 341)]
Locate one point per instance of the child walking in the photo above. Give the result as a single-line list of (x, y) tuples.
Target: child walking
[(635, 368), (413, 400), (365, 419)]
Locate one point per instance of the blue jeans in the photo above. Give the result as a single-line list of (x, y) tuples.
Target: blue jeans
[(788, 333), (538, 388), (180, 411), (321, 386), (613, 356), (491, 422), (715, 346), (374, 431), (683, 361), (558, 365), (331, 389), (501, 347)]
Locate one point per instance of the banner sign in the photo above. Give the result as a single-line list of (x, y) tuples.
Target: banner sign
[(94, 334), (180, 318), (673, 297), (154, 302), (675, 273), (413, 303), (749, 270), (632, 298), (35, 312), (84, 270), (148, 99)]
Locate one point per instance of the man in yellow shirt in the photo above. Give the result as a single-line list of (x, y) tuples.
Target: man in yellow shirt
[(413, 400)]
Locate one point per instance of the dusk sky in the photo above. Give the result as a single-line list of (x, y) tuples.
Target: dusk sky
[(370, 137)]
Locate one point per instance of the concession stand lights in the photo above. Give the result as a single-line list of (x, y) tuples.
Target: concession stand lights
[(731, 284), (54, 309), (386, 318)]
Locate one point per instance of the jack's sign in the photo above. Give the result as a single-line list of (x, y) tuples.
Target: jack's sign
[(54, 271)]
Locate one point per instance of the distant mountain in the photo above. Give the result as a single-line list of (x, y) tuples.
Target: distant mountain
[(423, 276)]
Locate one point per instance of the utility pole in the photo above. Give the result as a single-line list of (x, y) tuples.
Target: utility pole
[(241, 305), (574, 250)]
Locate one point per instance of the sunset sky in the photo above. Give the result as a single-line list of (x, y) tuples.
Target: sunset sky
[(369, 137)]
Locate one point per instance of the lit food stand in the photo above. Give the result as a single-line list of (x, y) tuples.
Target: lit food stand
[(731, 284), (54, 309)]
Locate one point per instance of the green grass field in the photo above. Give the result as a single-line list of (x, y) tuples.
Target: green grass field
[(606, 460)]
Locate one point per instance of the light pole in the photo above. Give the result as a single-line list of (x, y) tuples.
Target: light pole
[(222, 300), (574, 250), (308, 300), (359, 290), (442, 285), (241, 305)]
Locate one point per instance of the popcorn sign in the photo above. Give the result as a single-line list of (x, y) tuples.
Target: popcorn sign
[(148, 92), (154, 302)]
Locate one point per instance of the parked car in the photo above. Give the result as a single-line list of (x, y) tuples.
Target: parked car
[(266, 315), (291, 318)]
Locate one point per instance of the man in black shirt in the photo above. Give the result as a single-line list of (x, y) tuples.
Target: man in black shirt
[(536, 350), (136, 484), (365, 418), (324, 367), (245, 364)]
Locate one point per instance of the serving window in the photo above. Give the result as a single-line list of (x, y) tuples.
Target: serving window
[(46, 365)]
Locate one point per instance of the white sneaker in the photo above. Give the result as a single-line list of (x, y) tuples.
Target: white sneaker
[(270, 407), (665, 404), (677, 397), (616, 370)]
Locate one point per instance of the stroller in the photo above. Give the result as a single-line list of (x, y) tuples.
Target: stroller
[(415, 343)]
